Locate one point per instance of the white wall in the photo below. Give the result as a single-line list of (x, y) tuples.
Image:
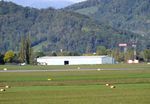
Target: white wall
[(84, 61), (75, 60)]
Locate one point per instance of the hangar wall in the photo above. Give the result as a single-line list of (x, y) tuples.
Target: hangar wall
[(75, 60)]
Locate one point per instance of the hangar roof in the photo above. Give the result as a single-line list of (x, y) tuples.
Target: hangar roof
[(62, 57)]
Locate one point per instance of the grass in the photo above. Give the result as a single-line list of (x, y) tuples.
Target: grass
[(87, 11), (90, 94), (38, 47), (77, 87), (111, 66)]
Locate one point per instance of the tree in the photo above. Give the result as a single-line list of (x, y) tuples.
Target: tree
[(22, 51), (117, 55), (38, 54), (54, 54), (25, 50), (28, 50), (101, 50), (147, 55), (129, 55), (9, 55), (2, 59)]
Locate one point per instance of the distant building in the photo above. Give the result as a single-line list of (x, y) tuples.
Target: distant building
[(75, 60), (133, 61)]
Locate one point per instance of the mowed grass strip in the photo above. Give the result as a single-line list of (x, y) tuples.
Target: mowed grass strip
[(79, 87), (89, 94), (63, 67), (75, 77)]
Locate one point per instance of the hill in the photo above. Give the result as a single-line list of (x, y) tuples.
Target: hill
[(130, 15), (52, 30)]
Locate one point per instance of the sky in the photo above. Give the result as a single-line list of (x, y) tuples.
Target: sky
[(46, 3), (77, 0)]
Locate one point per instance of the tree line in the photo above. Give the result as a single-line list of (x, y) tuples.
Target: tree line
[(24, 55), (28, 56)]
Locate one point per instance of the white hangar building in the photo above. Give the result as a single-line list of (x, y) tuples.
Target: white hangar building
[(75, 60)]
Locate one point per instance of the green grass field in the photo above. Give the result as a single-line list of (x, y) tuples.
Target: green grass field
[(77, 87), (111, 66)]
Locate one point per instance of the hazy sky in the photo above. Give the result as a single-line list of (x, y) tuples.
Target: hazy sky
[(77, 0), (45, 3), (47, 0)]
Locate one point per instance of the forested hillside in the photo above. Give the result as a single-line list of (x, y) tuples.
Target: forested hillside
[(130, 15), (52, 30)]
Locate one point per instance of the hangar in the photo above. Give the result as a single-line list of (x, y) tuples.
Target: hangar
[(75, 60)]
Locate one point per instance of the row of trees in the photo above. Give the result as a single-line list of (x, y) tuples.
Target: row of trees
[(122, 56), (26, 54)]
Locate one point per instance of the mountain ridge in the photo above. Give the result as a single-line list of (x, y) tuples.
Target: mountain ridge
[(132, 15), (52, 30)]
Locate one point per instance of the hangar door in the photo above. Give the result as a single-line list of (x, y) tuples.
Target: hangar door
[(66, 62)]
